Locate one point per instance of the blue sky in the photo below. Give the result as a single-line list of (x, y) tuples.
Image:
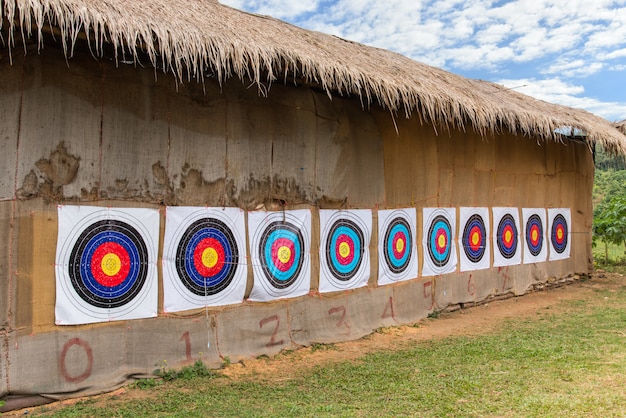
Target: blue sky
[(570, 52)]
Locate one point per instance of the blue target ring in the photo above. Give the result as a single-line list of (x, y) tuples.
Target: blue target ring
[(474, 251), (398, 227), (559, 234), (534, 234), (346, 233), (439, 227), (221, 236), (80, 271), (508, 236), (282, 275)]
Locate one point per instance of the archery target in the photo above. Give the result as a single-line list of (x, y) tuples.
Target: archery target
[(560, 242), (344, 249), (474, 239), (280, 245), (535, 248), (439, 226), (106, 264), (204, 258), (397, 248), (507, 247)]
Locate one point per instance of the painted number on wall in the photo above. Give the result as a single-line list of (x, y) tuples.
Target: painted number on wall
[(268, 320), (341, 312), (81, 344)]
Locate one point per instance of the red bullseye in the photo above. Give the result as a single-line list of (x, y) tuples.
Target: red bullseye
[(475, 238), (560, 234), (508, 236), (209, 257), (441, 241), (283, 254), (344, 249), (399, 245), (110, 264), (535, 235)]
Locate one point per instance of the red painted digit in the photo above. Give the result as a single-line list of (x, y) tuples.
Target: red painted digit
[(505, 276), (342, 323), (429, 295), (273, 341), (471, 287), (85, 346), (185, 337), (389, 311)]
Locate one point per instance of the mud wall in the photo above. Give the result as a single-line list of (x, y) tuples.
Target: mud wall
[(92, 134)]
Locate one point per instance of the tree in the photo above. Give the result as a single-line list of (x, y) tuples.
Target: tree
[(609, 222)]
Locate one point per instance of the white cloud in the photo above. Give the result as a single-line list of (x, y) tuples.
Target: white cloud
[(557, 91), (527, 38)]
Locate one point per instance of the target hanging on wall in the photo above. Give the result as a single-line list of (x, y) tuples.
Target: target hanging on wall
[(560, 233), (438, 235), (535, 246), (474, 239), (344, 249), (397, 248), (106, 264), (204, 258), (506, 241), (280, 245)]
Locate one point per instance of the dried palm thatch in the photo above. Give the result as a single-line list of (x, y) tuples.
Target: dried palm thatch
[(621, 126), (193, 37)]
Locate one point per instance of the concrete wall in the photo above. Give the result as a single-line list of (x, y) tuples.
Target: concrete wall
[(93, 134)]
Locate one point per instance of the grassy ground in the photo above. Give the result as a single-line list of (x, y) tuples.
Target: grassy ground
[(564, 361), (616, 255)]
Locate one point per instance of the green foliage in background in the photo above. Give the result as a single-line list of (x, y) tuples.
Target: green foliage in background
[(609, 199)]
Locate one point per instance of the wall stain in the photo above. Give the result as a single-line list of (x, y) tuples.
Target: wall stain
[(50, 175)]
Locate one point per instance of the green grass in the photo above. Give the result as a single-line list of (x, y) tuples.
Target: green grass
[(616, 253), (570, 363)]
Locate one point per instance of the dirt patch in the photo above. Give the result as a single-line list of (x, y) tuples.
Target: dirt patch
[(477, 320)]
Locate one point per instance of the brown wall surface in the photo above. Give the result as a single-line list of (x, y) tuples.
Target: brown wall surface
[(93, 134)]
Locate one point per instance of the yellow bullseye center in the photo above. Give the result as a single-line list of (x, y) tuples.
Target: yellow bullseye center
[(209, 257), (344, 249), (441, 241), (508, 236), (559, 234), (284, 254), (534, 235), (111, 264), (475, 238), (400, 245)]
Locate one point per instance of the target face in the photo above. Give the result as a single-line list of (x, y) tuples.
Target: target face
[(396, 247), (344, 252), (203, 257), (535, 248), (534, 235), (281, 254), (559, 233), (105, 264), (506, 238), (440, 252), (474, 240), (108, 265), (281, 245)]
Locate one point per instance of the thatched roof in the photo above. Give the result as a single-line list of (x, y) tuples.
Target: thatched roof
[(621, 126), (193, 37)]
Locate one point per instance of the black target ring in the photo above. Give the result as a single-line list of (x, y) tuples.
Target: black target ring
[(534, 234), (398, 261), (86, 285), (507, 236), (219, 236), (281, 276)]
